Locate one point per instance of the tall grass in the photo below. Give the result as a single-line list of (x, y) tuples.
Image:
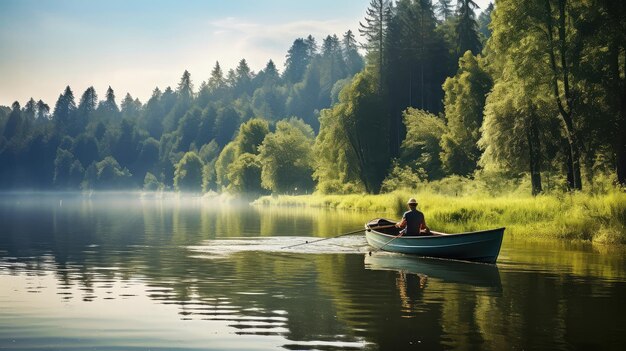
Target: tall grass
[(573, 216), (384, 203)]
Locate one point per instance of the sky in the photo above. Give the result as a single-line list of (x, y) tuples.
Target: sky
[(137, 45)]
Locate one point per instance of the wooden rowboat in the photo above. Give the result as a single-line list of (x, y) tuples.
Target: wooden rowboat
[(480, 246)]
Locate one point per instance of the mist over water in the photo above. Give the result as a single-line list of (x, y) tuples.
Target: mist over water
[(123, 272)]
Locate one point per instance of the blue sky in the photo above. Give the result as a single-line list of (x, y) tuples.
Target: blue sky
[(136, 45)]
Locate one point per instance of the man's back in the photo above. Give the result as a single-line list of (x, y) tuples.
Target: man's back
[(414, 220)]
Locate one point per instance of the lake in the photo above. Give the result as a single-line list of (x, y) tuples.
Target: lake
[(118, 272)]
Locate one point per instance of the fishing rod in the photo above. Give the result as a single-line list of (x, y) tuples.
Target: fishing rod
[(337, 236)]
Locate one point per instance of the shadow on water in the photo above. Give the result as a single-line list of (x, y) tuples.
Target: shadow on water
[(450, 271)]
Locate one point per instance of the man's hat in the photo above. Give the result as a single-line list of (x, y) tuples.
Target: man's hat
[(412, 201)]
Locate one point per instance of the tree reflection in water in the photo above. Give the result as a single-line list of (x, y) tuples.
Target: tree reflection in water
[(135, 255)]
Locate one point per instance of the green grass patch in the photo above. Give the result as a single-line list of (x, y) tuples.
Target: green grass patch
[(572, 216)]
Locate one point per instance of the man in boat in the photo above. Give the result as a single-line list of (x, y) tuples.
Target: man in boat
[(413, 221)]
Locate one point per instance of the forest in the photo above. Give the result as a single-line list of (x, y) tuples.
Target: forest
[(521, 94)]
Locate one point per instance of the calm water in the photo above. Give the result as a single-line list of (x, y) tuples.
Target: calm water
[(128, 274)]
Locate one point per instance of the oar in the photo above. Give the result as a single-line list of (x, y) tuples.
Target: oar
[(392, 239), (334, 237)]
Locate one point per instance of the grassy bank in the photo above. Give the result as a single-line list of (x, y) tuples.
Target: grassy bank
[(578, 216)]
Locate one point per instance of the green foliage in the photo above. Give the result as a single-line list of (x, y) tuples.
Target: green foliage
[(110, 175), (382, 203), (151, 183), (418, 63), (270, 101), (421, 147), (335, 168), (217, 83), (85, 111), (131, 108), (484, 19), (64, 110), (107, 108), (187, 132), (188, 173), (419, 154), (148, 157), (251, 135), (209, 177), (402, 177), (226, 124), (456, 205), (154, 137), (298, 58), (353, 60), (225, 159), (209, 152), (466, 28), (464, 103), (305, 95), (243, 78), (237, 167), (444, 9), (68, 172), (13, 126), (555, 114), (352, 145), (362, 117), (287, 159), (85, 148), (374, 29), (244, 174), (152, 114)]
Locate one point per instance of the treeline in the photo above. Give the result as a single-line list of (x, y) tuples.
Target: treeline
[(543, 98), (529, 90), (88, 143)]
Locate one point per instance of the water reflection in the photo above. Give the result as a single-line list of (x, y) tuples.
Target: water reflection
[(450, 271), (126, 273)]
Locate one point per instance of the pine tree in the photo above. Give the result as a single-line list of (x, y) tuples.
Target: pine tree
[(88, 103), (483, 23), (185, 88), (130, 107), (30, 110), (466, 29), (243, 78), (231, 79), (332, 67), (311, 46), (418, 67), (108, 108), (354, 61), (444, 9), (64, 109), (153, 115), (14, 123), (298, 58), (216, 81), (270, 73), (374, 30), (43, 111)]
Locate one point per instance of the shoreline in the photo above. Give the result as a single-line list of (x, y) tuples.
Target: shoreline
[(587, 217), (578, 216)]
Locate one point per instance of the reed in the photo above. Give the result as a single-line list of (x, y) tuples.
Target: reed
[(571, 216)]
